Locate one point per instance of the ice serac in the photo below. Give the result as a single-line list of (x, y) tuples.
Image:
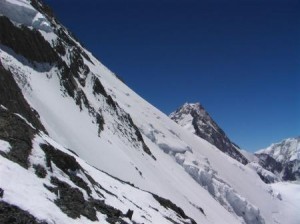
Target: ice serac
[(21, 12), (95, 122), (282, 159), (193, 117)]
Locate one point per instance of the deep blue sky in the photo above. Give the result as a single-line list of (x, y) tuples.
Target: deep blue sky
[(239, 58)]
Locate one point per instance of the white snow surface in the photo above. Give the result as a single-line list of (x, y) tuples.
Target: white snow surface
[(290, 194), (25, 190), (4, 146), (189, 171)]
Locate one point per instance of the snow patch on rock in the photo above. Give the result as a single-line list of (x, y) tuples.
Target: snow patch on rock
[(4, 146)]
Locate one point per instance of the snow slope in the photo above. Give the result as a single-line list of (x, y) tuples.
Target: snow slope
[(180, 166), (41, 189), (290, 194)]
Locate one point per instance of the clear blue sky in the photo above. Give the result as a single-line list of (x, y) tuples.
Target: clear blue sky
[(239, 58)]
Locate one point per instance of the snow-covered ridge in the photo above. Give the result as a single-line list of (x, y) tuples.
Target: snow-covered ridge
[(194, 118), (22, 12), (84, 107), (282, 158), (284, 151)]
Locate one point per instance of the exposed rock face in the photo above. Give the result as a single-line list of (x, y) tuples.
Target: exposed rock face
[(168, 204), (14, 215), (14, 130), (28, 43), (282, 159), (194, 118), (12, 98)]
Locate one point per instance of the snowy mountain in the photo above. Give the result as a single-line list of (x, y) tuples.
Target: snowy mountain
[(43, 182), (282, 159), (78, 146), (194, 118)]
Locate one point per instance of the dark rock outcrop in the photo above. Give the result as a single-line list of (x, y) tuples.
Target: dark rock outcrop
[(40, 171), (286, 170), (269, 163), (12, 98), (71, 201), (66, 163), (168, 204), (26, 42), (282, 159), (129, 214), (10, 214), (19, 134), (290, 171), (1, 193)]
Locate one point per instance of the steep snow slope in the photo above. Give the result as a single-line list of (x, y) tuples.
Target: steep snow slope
[(282, 158), (160, 176), (86, 108), (46, 183), (193, 117)]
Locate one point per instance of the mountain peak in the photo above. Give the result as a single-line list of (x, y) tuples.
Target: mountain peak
[(194, 117), (193, 106), (193, 109)]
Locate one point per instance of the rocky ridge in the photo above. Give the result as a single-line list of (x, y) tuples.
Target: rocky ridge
[(282, 159), (193, 117)]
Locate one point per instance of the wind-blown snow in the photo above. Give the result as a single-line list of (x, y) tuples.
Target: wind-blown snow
[(21, 12)]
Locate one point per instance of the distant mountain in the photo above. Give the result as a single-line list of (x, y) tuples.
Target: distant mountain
[(194, 118), (282, 159)]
